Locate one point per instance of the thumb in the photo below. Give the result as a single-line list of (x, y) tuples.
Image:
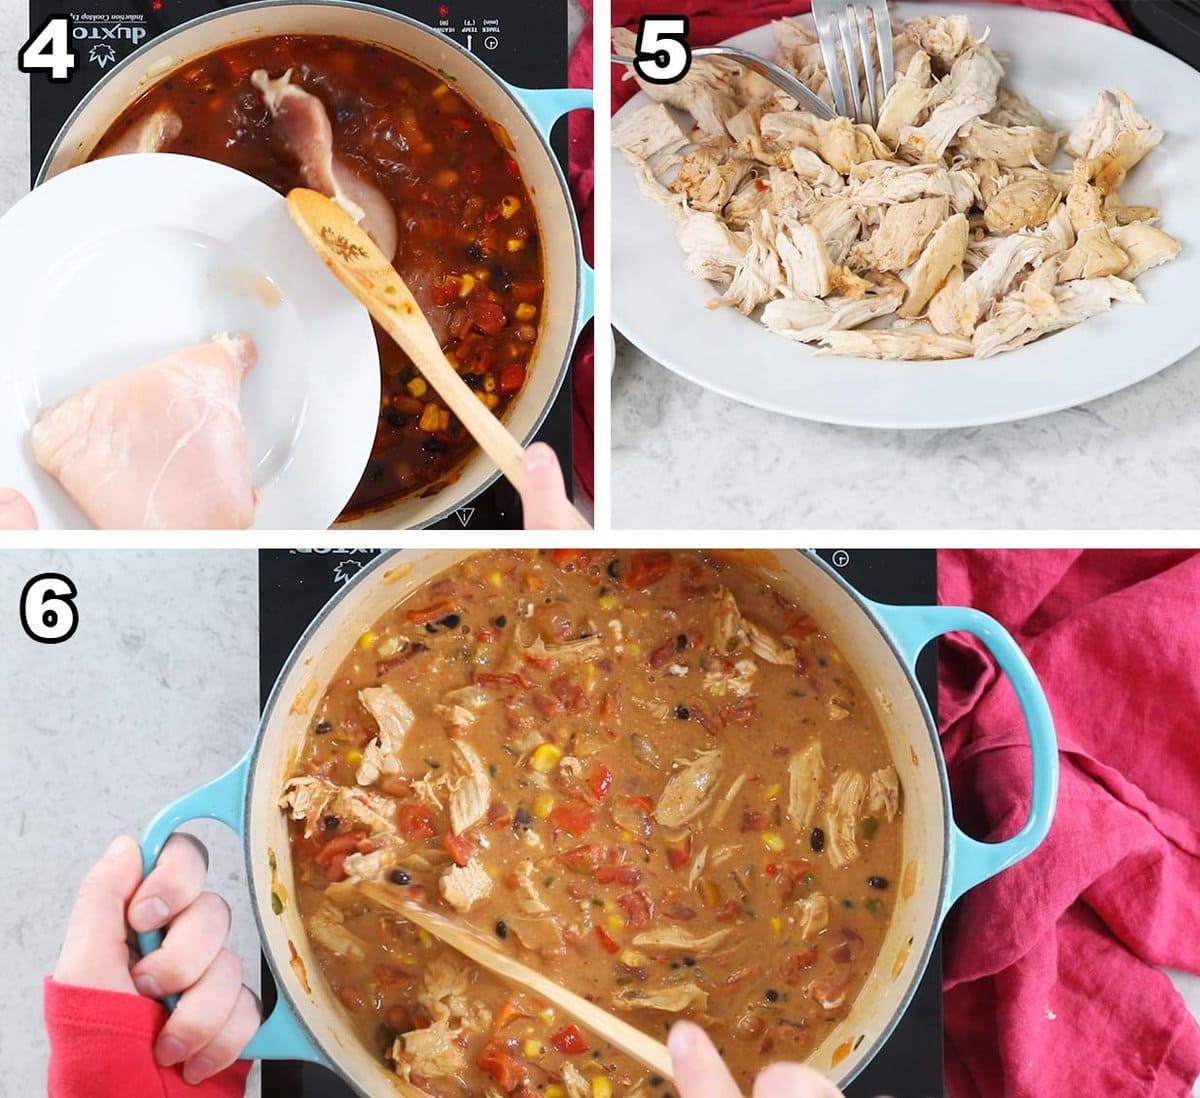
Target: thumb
[(95, 952), (699, 1070), (544, 495), (793, 1081), (15, 511)]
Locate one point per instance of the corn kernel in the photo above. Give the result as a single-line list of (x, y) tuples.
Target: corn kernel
[(495, 579), (482, 274), (710, 892), (489, 383), (546, 1016), (545, 757), (772, 792), (608, 602), (467, 284), (429, 418), (601, 1087), (777, 925), (554, 1091), (491, 399), (632, 958), (425, 938), (590, 676), (417, 387), (514, 244), (509, 205), (525, 311), (773, 842), (633, 648), (626, 835), (354, 756), (543, 805), (440, 91), (531, 1048), (615, 922), (367, 640)]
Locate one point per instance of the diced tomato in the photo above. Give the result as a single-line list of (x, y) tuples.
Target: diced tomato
[(429, 614), (569, 1041), (491, 680), (487, 634), (487, 316), (499, 815), (607, 942), (645, 804), (335, 870), (473, 174), (510, 1010), (729, 912), (570, 693), (496, 1059), (663, 654), (627, 875), (415, 822), (585, 859), (445, 291), (679, 853), (739, 712), (339, 844), (753, 821), (458, 847), (463, 125), (512, 167), (801, 629), (527, 292), (512, 377), (610, 707), (390, 976), (575, 819), (646, 569), (599, 780), (547, 704), (792, 969), (637, 907), (571, 558)]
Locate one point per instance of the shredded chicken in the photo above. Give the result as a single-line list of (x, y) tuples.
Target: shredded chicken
[(805, 770), (904, 240), (325, 927), (313, 799), (841, 817), (471, 793), (394, 718), (689, 789), (670, 938), (463, 886), (812, 915), (883, 793), (671, 998)]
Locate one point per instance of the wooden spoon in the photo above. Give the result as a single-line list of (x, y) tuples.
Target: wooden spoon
[(629, 1039), (364, 270)]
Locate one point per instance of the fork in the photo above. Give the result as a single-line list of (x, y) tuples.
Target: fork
[(838, 22)]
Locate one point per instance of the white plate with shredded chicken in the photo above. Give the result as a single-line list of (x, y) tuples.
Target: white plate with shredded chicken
[(140, 261), (1019, 236)]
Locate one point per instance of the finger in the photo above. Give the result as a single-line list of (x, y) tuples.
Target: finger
[(793, 1081), (203, 1011), (174, 883), (15, 511), (544, 495), (191, 943), (227, 1046), (699, 1070), (95, 952)]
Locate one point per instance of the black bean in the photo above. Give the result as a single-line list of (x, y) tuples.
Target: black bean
[(771, 995), (394, 419), (330, 823), (420, 646), (613, 569), (656, 1080), (400, 877), (434, 446), (500, 621), (501, 929), (431, 627), (681, 642), (682, 712), (522, 818), (475, 253), (472, 379), (847, 904), (816, 840), (323, 728), (877, 882), (450, 621), (689, 961)]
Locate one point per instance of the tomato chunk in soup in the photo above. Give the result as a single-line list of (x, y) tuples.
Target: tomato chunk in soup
[(648, 774)]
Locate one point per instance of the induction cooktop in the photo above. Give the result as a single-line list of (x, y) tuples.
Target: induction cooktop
[(295, 584)]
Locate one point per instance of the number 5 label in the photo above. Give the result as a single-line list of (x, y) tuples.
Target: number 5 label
[(662, 55), (49, 51), (48, 611)]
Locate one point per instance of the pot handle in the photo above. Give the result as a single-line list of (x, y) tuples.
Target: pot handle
[(280, 1037), (972, 862), (546, 106)]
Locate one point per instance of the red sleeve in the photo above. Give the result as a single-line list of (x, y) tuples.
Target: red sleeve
[(101, 1046)]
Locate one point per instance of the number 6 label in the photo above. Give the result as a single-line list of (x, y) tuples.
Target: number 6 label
[(662, 55), (48, 611)]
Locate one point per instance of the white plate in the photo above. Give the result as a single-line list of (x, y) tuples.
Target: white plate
[(1061, 63), (117, 262)]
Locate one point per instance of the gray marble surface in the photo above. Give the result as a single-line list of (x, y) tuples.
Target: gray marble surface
[(683, 458), (155, 693)]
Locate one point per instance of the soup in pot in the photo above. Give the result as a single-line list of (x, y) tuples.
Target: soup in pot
[(434, 183), (650, 775)]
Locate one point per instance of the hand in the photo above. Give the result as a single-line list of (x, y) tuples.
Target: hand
[(15, 511), (216, 1015), (701, 1073), (544, 498)]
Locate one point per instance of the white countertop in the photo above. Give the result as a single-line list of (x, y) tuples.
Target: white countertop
[(155, 693), (686, 458)]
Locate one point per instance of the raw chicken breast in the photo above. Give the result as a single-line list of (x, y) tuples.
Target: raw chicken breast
[(159, 447), (152, 134), (303, 126)]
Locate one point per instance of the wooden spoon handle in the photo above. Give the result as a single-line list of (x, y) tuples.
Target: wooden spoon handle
[(629, 1039)]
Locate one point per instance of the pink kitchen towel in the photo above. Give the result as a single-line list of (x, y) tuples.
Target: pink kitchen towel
[(1051, 979)]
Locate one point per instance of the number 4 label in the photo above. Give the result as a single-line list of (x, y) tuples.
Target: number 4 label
[(662, 55), (48, 611), (49, 51)]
